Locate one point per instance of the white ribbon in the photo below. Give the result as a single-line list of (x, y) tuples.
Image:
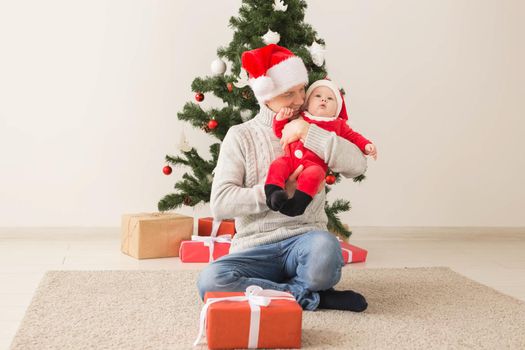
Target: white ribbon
[(350, 253), (209, 241), (256, 297)]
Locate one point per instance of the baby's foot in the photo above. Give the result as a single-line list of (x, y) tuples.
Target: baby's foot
[(276, 197), (297, 204)]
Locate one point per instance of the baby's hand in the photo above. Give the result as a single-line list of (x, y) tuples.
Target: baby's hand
[(371, 150), (284, 113)]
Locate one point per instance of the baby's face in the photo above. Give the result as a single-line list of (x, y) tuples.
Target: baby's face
[(322, 102)]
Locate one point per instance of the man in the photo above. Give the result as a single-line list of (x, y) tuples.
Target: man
[(272, 250)]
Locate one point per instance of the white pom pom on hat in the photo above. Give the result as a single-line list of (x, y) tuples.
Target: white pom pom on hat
[(272, 70)]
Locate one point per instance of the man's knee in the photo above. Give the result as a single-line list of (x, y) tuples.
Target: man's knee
[(323, 266), (214, 278), (323, 281), (323, 245)]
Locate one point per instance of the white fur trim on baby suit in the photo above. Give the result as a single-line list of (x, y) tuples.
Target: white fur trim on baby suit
[(319, 119), (283, 76)]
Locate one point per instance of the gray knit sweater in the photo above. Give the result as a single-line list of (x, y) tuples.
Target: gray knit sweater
[(238, 185)]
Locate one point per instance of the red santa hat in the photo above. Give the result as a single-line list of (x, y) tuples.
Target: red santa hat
[(341, 108), (272, 70)]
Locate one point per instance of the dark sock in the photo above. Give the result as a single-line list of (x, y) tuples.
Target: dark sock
[(297, 204), (342, 300), (276, 197)]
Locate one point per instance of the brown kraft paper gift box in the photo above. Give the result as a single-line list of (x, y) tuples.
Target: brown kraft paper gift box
[(154, 235)]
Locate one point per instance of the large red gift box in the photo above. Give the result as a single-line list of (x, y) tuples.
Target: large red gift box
[(199, 252), (205, 225), (238, 324), (352, 253)]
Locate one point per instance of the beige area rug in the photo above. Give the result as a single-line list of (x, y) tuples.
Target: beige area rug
[(418, 308)]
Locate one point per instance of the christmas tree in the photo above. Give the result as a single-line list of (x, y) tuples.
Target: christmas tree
[(259, 23)]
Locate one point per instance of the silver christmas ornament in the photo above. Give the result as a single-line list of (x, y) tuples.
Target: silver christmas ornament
[(218, 67), (184, 146), (317, 54), (246, 114)]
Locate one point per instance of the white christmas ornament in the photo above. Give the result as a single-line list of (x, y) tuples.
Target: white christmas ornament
[(243, 79), (278, 5), (209, 177), (184, 146), (246, 114), (317, 54), (271, 37), (218, 67)]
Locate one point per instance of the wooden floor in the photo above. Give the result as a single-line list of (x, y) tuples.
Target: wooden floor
[(494, 257)]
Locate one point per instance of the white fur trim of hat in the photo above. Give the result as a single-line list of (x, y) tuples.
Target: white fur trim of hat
[(329, 84)]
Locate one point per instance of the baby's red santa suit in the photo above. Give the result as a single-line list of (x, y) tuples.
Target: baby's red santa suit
[(314, 167), (273, 70)]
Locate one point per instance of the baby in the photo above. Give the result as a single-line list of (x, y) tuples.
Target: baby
[(325, 108)]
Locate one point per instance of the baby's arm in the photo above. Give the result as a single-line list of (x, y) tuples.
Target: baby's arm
[(341, 155), (366, 146), (371, 150), (280, 121)]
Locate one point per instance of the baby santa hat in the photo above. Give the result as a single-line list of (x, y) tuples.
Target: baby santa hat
[(341, 108), (272, 70)]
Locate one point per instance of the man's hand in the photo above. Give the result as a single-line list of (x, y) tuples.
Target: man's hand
[(295, 130), (291, 183), (371, 150), (321, 186), (284, 113)]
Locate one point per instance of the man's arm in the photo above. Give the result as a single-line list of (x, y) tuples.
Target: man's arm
[(339, 154), (229, 197)]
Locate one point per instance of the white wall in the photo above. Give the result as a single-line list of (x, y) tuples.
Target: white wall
[(89, 92)]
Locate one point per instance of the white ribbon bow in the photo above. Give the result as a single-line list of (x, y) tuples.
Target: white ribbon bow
[(256, 297), (210, 240)]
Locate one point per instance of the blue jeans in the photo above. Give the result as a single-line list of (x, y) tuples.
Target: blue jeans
[(302, 265)]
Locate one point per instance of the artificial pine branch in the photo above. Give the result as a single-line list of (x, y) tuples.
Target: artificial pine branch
[(192, 189), (193, 113), (171, 201), (177, 160), (359, 178), (334, 223)]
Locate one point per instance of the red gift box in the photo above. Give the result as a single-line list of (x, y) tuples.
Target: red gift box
[(227, 227), (255, 319), (352, 253), (199, 251)]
